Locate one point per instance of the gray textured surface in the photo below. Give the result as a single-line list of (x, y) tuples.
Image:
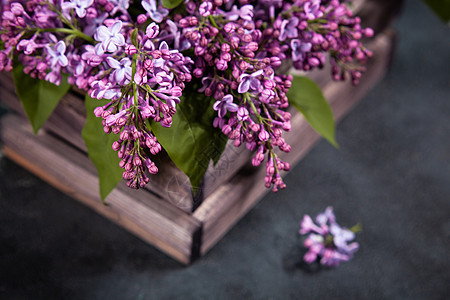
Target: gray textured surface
[(392, 174)]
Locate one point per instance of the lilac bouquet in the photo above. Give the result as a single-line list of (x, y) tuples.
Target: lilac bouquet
[(178, 75), (327, 241)]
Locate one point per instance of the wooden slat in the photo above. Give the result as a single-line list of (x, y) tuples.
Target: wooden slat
[(232, 200), (161, 224)]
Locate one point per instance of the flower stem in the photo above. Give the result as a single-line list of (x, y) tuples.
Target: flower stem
[(71, 31), (133, 73)]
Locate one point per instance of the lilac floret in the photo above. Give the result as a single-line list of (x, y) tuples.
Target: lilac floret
[(80, 6), (110, 38), (155, 13), (122, 69), (299, 49), (57, 56), (289, 29), (224, 105), (250, 81)]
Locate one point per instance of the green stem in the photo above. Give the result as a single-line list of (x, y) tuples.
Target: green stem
[(213, 22), (356, 228), (133, 72), (71, 31), (252, 105)]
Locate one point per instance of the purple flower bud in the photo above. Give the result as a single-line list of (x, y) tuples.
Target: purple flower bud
[(176, 91), (41, 67), (98, 111), (17, 8), (141, 19), (368, 32), (116, 145), (222, 65), (313, 61), (137, 161), (269, 84), (94, 61), (152, 30), (130, 50), (153, 169), (226, 129), (242, 114), (229, 27), (263, 135), (205, 9), (226, 56), (155, 149)]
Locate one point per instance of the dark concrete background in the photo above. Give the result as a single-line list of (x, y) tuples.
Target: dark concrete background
[(391, 174)]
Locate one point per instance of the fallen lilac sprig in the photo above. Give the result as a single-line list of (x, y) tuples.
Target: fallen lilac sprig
[(328, 242)]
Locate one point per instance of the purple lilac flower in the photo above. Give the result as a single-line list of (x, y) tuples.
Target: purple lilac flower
[(110, 38), (57, 54), (80, 6), (289, 29), (312, 9), (120, 6), (245, 13), (224, 105), (155, 13), (328, 241), (122, 69), (250, 81), (27, 46)]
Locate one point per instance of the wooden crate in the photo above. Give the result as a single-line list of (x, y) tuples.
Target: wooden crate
[(166, 214)]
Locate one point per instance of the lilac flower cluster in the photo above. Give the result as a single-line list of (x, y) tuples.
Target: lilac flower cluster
[(144, 79), (327, 241), (239, 47), (141, 64), (138, 73)]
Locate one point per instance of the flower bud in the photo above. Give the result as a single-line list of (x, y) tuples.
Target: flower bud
[(152, 30), (222, 65), (242, 114), (137, 161), (141, 19), (263, 135), (130, 50)]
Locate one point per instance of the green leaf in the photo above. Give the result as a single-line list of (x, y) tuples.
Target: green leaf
[(441, 8), (133, 37), (99, 146), (192, 142), (307, 97), (39, 97), (171, 3)]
